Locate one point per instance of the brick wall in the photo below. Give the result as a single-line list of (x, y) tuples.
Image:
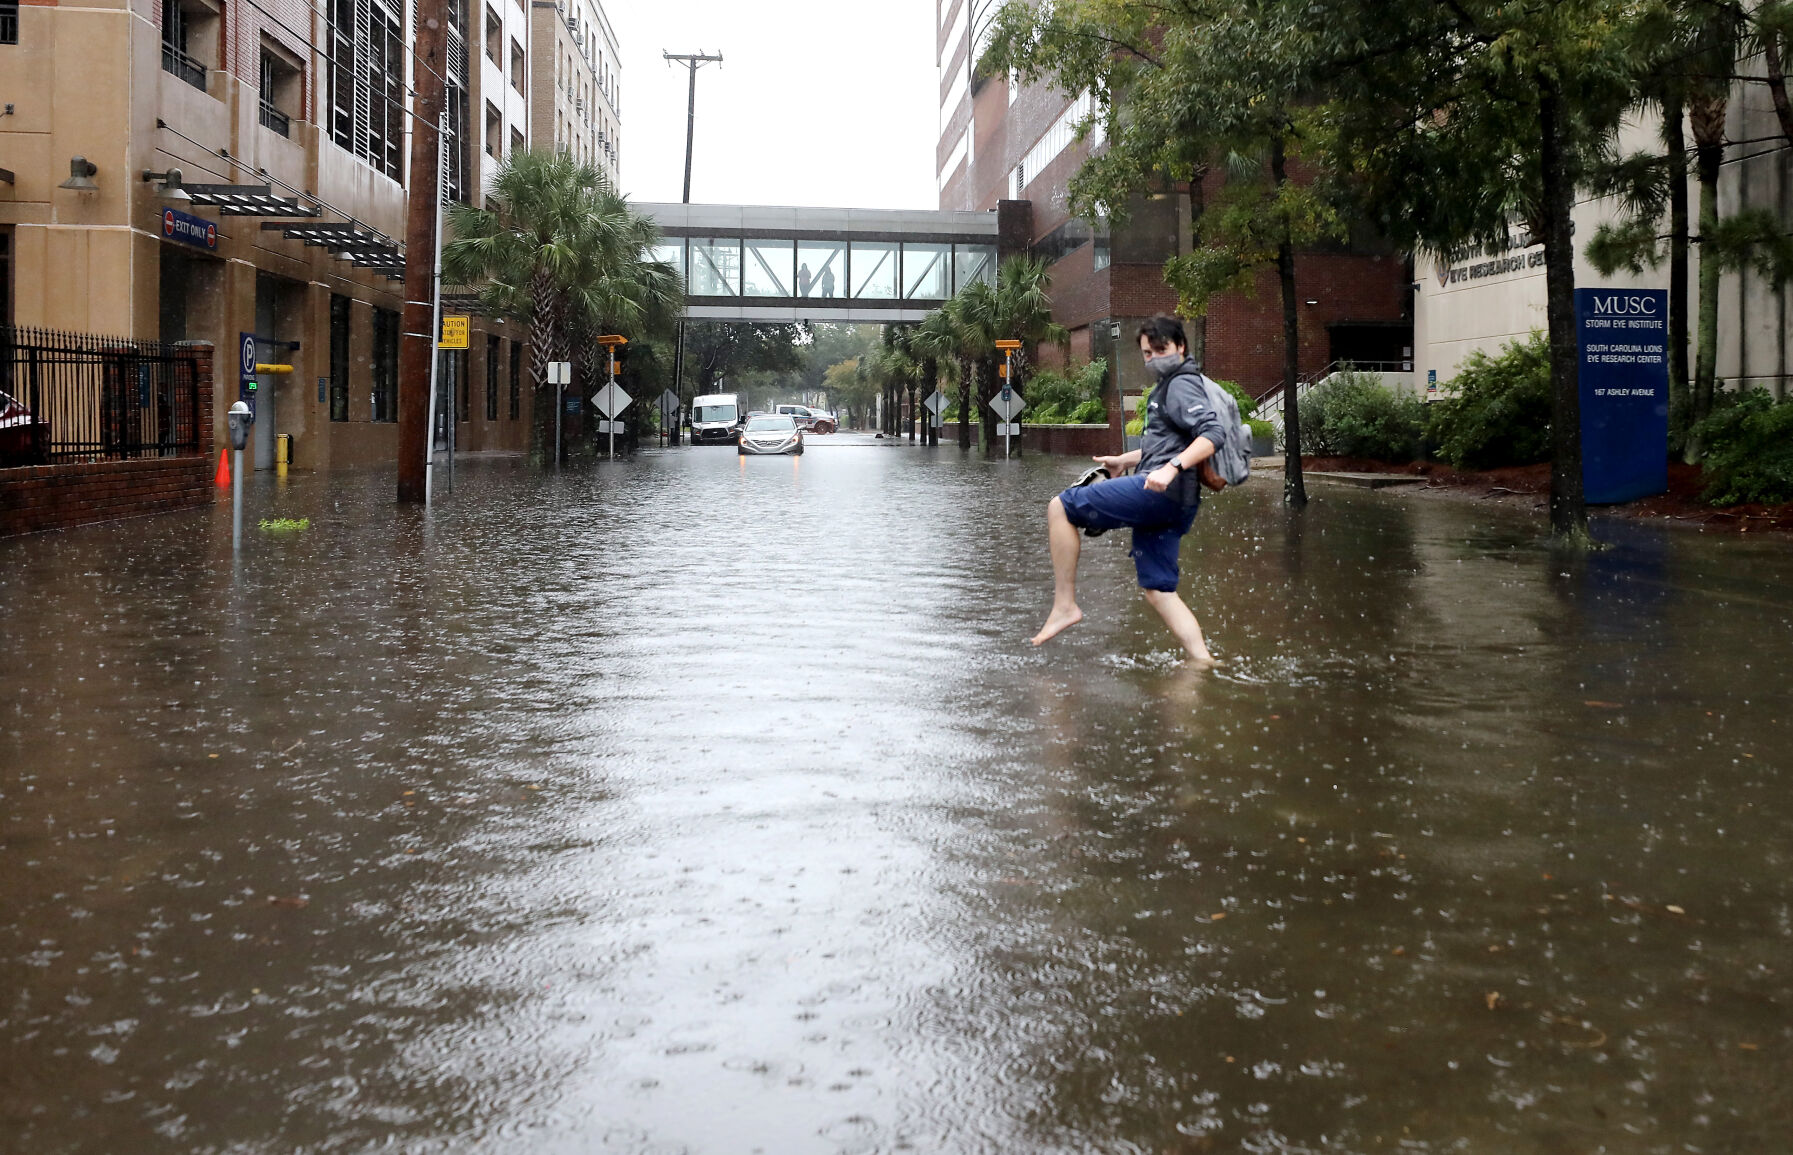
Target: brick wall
[(1074, 440), (41, 497)]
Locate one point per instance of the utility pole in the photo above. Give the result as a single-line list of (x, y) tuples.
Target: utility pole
[(693, 62), (418, 348)]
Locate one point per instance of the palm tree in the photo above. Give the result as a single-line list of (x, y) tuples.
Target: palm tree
[(1023, 312), (931, 342), (563, 252), (972, 315)]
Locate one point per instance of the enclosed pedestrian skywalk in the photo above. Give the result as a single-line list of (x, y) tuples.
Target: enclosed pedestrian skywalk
[(748, 263)]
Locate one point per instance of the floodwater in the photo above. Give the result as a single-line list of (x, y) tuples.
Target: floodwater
[(692, 804)]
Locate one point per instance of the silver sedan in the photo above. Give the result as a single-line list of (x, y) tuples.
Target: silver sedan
[(771, 433)]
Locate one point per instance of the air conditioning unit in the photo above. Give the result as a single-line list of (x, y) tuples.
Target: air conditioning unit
[(572, 23)]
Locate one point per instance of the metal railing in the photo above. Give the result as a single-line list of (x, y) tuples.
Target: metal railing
[(1270, 405), (275, 119), (74, 397), (183, 66)]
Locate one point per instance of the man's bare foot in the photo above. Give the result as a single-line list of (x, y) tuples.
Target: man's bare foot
[(1203, 661), (1057, 622)]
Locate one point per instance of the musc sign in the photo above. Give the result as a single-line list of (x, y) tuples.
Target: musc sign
[(1624, 392)]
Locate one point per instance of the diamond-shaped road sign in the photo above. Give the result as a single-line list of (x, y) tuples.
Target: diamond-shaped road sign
[(1007, 404), (611, 400), (935, 403), (669, 403)]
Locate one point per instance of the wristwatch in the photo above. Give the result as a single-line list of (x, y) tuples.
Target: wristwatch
[(1176, 461)]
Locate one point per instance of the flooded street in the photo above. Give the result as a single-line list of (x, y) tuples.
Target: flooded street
[(699, 804)]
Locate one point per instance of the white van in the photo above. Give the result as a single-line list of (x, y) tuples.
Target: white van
[(716, 419)]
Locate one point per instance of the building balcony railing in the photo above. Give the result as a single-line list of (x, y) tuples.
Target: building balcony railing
[(183, 66), (275, 119)]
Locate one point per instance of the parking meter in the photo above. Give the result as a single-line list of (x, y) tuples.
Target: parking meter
[(239, 419)]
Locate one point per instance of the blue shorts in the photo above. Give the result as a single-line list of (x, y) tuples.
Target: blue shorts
[(1158, 522)]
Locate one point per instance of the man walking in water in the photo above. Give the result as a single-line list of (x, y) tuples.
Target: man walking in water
[(1158, 502)]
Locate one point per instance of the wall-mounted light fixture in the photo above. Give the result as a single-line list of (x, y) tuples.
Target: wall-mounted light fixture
[(170, 182), (80, 175), (1313, 300)]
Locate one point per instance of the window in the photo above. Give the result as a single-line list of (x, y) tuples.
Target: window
[(9, 21), (460, 152), (492, 377), (973, 263), (367, 83), (518, 144), (925, 271), (821, 268), (769, 269), (339, 356), (494, 38), (519, 69), (280, 89), (671, 251), (463, 410), (516, 381), (494, 129), (385, 365), (715, 267), (874, 270), (189, 39)]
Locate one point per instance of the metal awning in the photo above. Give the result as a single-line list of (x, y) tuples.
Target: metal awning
[(347, 241), (248, 200)]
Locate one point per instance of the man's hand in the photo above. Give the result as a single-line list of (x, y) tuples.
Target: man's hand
[(1117, 465), (1160, 479)]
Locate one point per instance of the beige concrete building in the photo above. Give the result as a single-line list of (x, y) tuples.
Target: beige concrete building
[(576, 97), (288, 125)]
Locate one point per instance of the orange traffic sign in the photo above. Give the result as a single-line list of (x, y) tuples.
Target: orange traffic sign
[(613, 339), (1008, 344)]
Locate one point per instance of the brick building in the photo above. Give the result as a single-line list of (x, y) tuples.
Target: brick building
[(248, 178), (1002, 140)]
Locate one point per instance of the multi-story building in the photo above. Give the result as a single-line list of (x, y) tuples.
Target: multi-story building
[(1003, 140), (217, 169), (576, 96)]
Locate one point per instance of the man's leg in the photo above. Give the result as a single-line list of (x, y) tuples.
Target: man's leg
[(1182, 623), (1066, 544)]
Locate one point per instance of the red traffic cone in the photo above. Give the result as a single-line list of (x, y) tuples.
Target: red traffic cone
[(223, 476)]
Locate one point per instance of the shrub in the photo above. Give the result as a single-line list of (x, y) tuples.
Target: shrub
[(1749, 449), (1070, 398), (1355, 415), (1499, 413)]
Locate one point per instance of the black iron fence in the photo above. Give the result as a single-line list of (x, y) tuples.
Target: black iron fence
[(70, 397)]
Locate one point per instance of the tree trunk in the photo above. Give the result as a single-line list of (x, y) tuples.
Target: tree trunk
[(543, 341), (1675, 138), (1777, 83), (930, 378), (1568, 506), (1708, 110), (964, 403), (1294, 485), (986, 392), (911, 418), (1198, 204)]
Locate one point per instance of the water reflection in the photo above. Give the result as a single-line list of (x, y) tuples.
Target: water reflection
[(691, 804)]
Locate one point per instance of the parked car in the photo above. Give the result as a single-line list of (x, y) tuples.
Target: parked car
[(715, 419), (810, 420), (18, 433), (774, 433)]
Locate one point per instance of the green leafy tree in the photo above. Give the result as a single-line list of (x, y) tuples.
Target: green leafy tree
[(563, 252), (1460, 118), (1184, 88), (719, 351)]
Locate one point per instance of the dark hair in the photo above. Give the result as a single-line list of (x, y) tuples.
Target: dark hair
[(1164, 331)]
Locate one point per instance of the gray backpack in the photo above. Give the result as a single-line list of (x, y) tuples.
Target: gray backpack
[(1232, 458)]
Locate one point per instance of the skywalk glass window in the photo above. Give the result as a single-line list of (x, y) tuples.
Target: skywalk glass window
[(770, 268), (821, 269), (926, 271), (715, 267), (973, 263), (874, 270), (671, 251)]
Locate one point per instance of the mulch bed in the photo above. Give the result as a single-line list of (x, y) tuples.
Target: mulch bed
[(1681, 503)]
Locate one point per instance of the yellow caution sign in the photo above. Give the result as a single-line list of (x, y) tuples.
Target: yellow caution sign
[(455, 331)]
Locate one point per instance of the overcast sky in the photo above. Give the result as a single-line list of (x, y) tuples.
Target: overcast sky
[(817, 102)]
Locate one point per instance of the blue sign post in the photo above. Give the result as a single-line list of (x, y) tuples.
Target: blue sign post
[(1624, 393)]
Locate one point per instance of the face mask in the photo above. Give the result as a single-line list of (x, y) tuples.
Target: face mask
[(1163, 365)]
